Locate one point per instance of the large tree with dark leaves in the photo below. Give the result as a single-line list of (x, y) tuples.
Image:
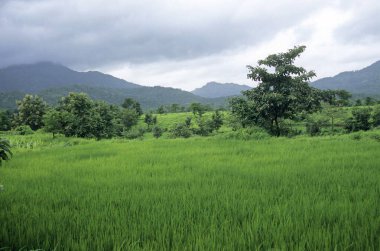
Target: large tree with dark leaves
[(282, 92)]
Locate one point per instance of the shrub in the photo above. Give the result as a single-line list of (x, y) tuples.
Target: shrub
[(135, 133), (359, 120), (23, 130), (180, 130), (157, 131), (250, 133), (204, 127), (313, 128)]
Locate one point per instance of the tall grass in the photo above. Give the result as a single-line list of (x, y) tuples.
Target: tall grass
[(194, 194)]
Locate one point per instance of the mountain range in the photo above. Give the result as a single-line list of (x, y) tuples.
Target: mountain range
[(217, 90), (361, 83), (52, 81)]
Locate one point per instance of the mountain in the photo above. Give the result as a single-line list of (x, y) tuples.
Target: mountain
[(33, 78), (361, 83), (53, 81), (217, 90)]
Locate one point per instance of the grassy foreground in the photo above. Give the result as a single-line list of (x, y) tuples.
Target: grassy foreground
[(194, 194)]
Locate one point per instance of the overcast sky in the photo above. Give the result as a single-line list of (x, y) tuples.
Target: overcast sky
[(187, 43)]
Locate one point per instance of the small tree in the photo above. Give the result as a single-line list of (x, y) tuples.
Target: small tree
[(5, 120), (150, 119), (5, 150), (31, 111), (217, 120), (280, 94), (132, 104), (157, 131), (359, 120), (197, 109), (129, 118), (180, 130), (332, 113), (54, 122), (369, 101), (161, 109), (376, 116), (358, 102)]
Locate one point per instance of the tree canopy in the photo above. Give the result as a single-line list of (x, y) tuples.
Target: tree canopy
[(283, 91)]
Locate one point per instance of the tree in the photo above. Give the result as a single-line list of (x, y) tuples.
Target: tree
[(161, 109), (150, 119), (157, 131), (132, 104), (5, 120), (197, 109), (376, 116), (358, 102), (31, 111), (129, 118), (332, 113), (369, 101), (76, 109), (359, 120), (5, 150), (279, 95), (217, 120), (54, 122), (174, 108)]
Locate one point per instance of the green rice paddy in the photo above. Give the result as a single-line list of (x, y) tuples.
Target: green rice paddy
[(303, 193)]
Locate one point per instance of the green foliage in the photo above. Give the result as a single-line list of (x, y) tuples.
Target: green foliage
[(161, 109), (129, 118), (132, 104), (23, 130), (336, 97), (31, 110), (369, 101), (5, 150), (358, 102), (150, 120), (197, 109), (279, 95), (360, 120), (180, 130), (78, 115), (217, 120), (5, 120), (135, 133), (249, 133), (188, 121), (313, 128), (157, 131), (376, 116)]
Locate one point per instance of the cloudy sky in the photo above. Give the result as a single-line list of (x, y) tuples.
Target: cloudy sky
[(183, 43)]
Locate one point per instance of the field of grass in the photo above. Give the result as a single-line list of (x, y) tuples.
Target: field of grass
[(303, 193)]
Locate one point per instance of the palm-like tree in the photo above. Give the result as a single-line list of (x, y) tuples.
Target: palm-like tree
[(5, 150)]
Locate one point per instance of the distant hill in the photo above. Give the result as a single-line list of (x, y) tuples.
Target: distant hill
[(53, 81), (217, 90), (40, 76), (361, 83)]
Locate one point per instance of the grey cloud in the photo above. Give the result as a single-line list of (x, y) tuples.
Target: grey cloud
[(364, 27), (99, 33)]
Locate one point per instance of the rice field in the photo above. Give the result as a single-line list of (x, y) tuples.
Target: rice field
[(302, 193)]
